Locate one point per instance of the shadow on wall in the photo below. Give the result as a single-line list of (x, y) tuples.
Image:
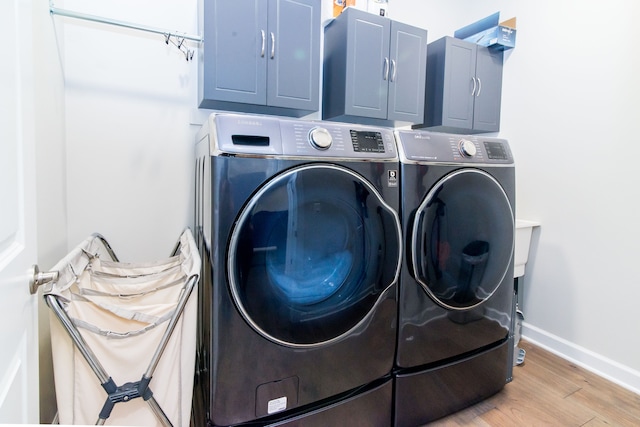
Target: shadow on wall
[(538, 289)]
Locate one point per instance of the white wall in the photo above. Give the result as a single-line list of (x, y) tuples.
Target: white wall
[(568, 110), (129, 97)]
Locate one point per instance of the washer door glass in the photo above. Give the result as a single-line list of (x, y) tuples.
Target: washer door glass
[(311, 254), (462, 239)]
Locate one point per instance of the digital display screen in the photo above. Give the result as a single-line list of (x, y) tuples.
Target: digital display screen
[(367, 141), (495, 150)]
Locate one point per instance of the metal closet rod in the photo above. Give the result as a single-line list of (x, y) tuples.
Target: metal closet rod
[(180, 37)]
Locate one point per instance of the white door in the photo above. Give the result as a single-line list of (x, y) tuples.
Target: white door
[(18, 308)]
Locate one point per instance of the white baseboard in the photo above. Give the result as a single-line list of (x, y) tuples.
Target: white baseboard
[(587, 359)]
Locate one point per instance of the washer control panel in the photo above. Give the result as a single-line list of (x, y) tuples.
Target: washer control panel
[(424, 146), (320, 138), (331, 139), (365, 141), (467, 148), (268, 135)]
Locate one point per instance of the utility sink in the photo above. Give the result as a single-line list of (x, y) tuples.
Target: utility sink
[(524, 229)]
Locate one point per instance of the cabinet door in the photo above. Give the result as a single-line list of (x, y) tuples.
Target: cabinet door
[(368, 66), (235, 49), (489, 92), (459, 83), (408, 56), (293, 54)]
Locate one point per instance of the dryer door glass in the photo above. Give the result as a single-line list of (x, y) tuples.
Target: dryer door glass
[(311, 254), (462, 239)]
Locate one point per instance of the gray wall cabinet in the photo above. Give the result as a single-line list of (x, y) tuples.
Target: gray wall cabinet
[(464, 87), (260, 56), (374, 69)]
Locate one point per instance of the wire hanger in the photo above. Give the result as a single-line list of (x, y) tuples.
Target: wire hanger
[(178, 41)]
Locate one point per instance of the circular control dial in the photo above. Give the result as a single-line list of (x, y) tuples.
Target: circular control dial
[(320, 138), (467, 148)]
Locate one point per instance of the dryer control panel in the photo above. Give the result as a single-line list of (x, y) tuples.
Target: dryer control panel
[(256, 135), (424, 146)]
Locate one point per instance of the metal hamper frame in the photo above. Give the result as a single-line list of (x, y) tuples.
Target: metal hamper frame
[(130, 390)]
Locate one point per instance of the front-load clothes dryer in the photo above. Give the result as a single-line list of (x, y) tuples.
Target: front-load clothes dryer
[(456, 286), (300, 232)]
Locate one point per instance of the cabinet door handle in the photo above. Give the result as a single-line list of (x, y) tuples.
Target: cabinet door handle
[(386, 69), (479, 86), (273, 45), (393, 70), (473, 91), (263, 43)]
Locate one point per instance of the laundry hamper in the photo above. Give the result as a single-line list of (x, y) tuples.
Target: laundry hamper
[(123, 335)]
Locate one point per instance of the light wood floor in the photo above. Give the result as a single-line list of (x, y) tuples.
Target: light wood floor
[(550, 391)]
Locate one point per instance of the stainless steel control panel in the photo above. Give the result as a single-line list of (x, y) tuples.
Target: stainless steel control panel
[(423, 146), (266, 135)]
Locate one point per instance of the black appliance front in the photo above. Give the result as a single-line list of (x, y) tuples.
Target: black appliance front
[(424, 396), (302, 304), (456, 285), (306, 255), (457, 282), (366, 407)]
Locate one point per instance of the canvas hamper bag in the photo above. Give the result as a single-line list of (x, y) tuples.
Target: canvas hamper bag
[(121, 312)]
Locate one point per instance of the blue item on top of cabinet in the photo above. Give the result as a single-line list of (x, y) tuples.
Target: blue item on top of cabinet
[(490, 32)]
